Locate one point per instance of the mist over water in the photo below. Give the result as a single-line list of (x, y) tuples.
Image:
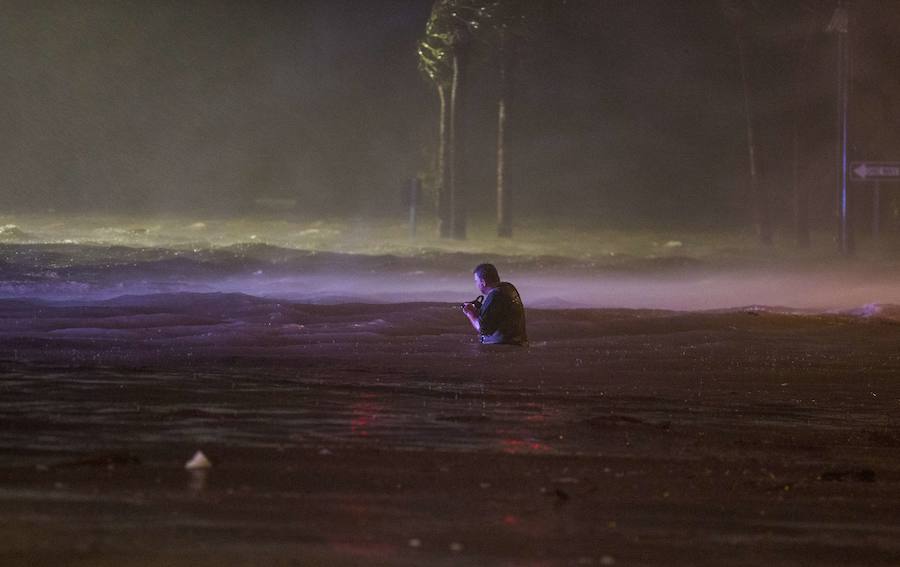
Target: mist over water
[(70, 258), (684, 292)]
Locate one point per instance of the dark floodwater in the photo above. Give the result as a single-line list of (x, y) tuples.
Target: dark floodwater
[(90, 411), (229, 369), (383, 434)]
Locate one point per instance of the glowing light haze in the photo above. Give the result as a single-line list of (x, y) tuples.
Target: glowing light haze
[(625, 112), (329, 262)]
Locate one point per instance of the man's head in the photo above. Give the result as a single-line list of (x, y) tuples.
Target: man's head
[(486, 277)]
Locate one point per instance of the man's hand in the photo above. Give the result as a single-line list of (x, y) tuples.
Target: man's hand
[(472, 312)]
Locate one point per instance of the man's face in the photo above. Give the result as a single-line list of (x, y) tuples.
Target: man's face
[(480, 284)]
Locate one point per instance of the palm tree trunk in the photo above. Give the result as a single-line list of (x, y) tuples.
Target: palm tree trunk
[(455, 153), (445, 228)]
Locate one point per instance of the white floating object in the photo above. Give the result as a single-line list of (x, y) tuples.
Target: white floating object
[(198, 461)]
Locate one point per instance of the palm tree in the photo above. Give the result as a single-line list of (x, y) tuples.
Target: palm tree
[(434, 61), (459, 60), (444, 56)]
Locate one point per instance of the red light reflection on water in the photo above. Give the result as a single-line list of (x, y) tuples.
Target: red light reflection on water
[(526, 439), (516, 445), (363, 413)]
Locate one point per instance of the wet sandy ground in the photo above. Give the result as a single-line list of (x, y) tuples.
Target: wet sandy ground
[(382, 435)]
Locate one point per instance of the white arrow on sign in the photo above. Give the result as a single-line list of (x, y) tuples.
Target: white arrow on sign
[(867, 170)]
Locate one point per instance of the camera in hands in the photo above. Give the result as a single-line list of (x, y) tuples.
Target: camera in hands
[(475, 303)]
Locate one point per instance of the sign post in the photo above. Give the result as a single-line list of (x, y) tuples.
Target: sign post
[(875, 172), (840, 25)]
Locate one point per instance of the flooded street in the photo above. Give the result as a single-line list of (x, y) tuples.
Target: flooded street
[(383, 434)]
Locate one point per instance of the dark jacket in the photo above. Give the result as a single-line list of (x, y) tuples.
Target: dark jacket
[(502, 317)]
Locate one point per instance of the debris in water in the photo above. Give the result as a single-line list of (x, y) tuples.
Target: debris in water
[(198, 461)]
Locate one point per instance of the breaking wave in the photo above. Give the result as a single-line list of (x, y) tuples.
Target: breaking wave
[(61, 271)]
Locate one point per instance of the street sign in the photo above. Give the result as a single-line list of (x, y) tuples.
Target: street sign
[(873, 171)]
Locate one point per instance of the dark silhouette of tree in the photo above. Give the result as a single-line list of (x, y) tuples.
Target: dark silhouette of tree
[(811, 20), (445, 50), (507, 60), (508, 28), (737, 14)]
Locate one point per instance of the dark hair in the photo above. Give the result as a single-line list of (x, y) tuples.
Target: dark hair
[(487, 272)]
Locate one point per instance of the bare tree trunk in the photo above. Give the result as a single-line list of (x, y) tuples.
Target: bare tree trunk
[(762, 217), (504, 192), (457, 145), (445, 228)]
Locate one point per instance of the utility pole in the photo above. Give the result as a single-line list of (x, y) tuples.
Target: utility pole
[(840, 24)]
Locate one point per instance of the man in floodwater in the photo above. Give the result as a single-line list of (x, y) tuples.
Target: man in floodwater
[(501, 317)]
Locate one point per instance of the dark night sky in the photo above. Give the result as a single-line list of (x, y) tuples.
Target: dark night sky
[(626, 109)]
